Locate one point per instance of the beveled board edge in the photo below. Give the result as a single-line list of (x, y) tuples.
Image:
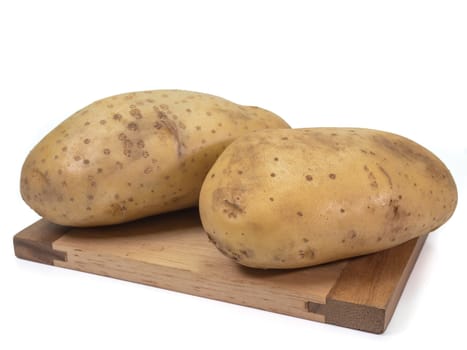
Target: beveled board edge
[(359, 299), (34, 243)]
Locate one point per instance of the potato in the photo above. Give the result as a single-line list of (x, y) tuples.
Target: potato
[(296, 198), (133, 155)]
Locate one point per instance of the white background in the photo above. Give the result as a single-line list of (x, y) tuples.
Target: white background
[(399, 66)]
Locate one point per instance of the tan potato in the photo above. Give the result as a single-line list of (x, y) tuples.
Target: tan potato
[(133, 155), (295, 198)]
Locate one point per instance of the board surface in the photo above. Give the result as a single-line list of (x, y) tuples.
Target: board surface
[(172, 251)]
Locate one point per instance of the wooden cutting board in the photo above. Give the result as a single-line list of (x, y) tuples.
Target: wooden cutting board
[(172, 251)]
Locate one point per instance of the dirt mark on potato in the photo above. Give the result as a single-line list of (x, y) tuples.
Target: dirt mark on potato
[(409, 150), (171, 126), (385, 173), (229, 201)]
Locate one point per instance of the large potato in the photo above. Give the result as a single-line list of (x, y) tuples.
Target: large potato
[(295, 198), (133, 155)]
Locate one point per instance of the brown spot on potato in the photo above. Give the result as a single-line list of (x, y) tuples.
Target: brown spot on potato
[(132, 126), (87, 141), (172, 128), (148, 170), (118, 209), (106, 151), (271, 199), (127, 143), (247, 253), (385, 174), (158, 125), (309, 178), (117, 117), (77, 158), (332, 176), (372, 179), (86, 161), (306, 253), (299, 213), (342, 210), (272, 174), (136, 113), (232, 209)]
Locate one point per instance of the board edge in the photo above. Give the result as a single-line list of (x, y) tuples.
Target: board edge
[(34, 243), (369, 318)]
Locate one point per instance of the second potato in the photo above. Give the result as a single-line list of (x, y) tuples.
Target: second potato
[(302, 197)]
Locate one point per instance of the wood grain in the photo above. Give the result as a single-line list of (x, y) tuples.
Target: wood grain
[(368, 289), (172, 251), (35, 242)]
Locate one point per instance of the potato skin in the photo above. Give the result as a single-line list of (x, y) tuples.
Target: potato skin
[(296, 198), (133, 155)]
